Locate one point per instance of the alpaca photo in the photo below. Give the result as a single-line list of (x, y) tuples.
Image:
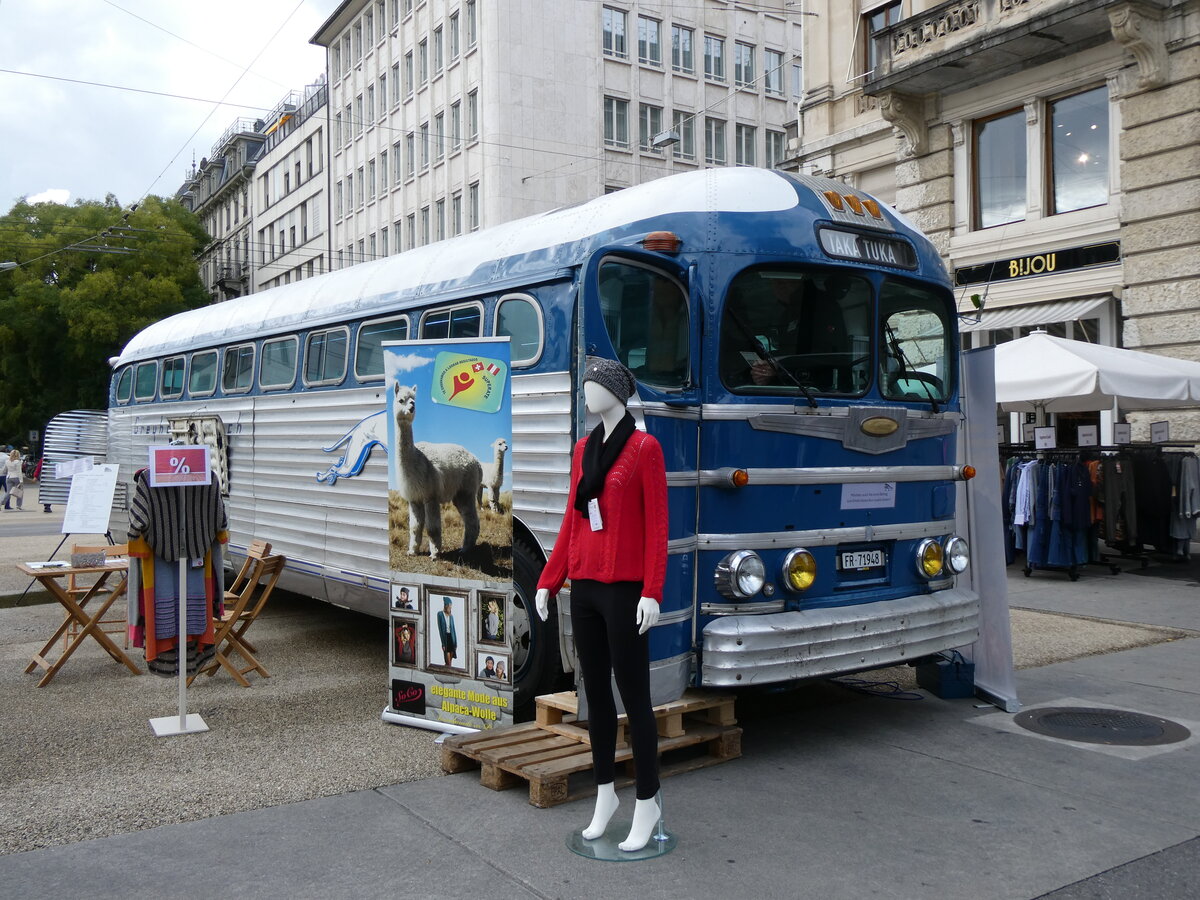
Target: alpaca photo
[(447, 514)]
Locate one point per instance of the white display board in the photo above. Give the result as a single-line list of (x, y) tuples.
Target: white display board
[(89, 504)]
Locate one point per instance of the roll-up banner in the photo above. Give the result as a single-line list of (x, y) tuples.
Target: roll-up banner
[(452, 654)]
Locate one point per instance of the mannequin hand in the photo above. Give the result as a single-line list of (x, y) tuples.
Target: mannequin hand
[(542, 602), (647, 614)]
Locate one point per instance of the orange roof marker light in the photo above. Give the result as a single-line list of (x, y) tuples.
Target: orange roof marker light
[(835, 200), (662, 242), (873, 208), (855, 203)]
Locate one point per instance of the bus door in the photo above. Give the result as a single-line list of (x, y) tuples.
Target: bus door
[(639, 309)]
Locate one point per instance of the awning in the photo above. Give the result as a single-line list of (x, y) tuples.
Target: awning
[(1033, 314)]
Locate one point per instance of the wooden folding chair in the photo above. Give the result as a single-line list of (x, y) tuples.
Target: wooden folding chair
[(115, 621), (249, 571), (239, 617)]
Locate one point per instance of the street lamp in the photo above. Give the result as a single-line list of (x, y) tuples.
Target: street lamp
[(8, 265), (664, 139)]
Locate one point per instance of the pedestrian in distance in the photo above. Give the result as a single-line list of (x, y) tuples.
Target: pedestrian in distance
[(13, 481)]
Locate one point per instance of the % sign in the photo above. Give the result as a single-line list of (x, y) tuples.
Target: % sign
[(176, 465)]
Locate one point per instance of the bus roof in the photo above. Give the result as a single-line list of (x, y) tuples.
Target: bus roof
[(543, 243)]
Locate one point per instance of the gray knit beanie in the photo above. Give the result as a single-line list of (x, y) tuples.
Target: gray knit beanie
[(610, 374)]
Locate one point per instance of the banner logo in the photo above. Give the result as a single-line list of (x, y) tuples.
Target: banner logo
[(469, 382)]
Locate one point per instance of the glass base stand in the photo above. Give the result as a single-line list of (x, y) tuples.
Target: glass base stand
[(606, 848)]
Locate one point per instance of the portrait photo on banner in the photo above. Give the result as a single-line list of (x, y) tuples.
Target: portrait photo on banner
[(449, 432), (493, 667), (492, 618), (405, 597), (404, 641), (446, 630)]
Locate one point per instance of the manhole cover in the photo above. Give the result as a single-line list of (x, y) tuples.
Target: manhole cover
[(1101, 726)]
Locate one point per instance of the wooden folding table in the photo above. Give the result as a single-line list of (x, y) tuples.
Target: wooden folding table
[(100, 596)]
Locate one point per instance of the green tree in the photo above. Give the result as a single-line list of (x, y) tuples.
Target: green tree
[(90, 276)]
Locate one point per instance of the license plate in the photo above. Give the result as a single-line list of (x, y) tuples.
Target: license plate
[(858, 560)]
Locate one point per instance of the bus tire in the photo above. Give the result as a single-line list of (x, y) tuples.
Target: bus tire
[(536, 666)]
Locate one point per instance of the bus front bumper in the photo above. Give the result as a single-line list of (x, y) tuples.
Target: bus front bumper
[(819, 643)]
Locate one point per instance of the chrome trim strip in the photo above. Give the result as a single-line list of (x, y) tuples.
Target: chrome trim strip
[(834, 475), (677, 546), (741, 609), (733, 412), (823, 537), (674, 618), (683, 479), (671, 410)]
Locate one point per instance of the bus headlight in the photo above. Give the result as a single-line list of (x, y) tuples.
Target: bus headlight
[(740, 575), (930, 558), (799, 570), (958, 556)]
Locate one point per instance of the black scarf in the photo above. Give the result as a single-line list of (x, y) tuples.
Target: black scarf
[(598, 457)]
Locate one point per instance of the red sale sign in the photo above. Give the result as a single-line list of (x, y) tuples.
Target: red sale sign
[(177, 466)]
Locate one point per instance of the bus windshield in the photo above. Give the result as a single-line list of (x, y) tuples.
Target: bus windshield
[(915, 357), (794, 328)]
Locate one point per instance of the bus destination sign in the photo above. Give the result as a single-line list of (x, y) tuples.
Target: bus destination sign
[(874, 249)]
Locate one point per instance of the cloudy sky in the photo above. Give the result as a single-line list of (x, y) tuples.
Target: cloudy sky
[(64, 141)]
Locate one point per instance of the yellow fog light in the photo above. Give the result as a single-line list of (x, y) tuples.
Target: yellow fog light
[(799, 570), (930, 558)]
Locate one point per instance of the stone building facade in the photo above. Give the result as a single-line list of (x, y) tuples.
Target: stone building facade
[(1048, 147), (450, 115)]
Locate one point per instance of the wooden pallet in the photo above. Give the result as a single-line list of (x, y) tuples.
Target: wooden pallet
[(550, 750)]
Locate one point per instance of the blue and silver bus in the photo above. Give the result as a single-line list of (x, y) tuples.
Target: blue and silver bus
[(796, 353)]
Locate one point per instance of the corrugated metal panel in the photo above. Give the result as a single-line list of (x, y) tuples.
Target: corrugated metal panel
[(68, 436), (543, 435)]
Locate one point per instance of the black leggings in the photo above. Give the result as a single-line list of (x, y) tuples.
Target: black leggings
[(604, 620)]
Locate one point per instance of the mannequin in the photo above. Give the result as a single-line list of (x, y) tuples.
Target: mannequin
[(613, 546)]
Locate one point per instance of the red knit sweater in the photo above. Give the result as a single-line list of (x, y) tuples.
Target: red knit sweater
[(632, 545)]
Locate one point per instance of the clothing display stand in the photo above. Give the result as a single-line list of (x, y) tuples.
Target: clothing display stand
[(606, 848), (182, 474)]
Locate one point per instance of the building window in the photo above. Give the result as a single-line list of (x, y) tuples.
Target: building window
[(372, 247), (649, 124), (874, 22), (338, 200), (797, 80), (684, 124), (422, 62), (439, 220), (438, 51), (408, 74), (358, 42), (410, 222), (361, 196), (395, 84), (681, 49), (614, 33), (743, 139), (472, 22), (616, 122), (999, 169), (383, 241), (455, 126), (452, 27), (714, 141), (1079, 151), (383, 169), (714, 58), (424, 225), (473, 115), (473, 207), (776, 148), (358, 114), (456, 221), (773, 72), (743, 65), (371, 179), (424, 145), (649, 41), (410, 156), (439, 137), (369, 28), (370, 117)]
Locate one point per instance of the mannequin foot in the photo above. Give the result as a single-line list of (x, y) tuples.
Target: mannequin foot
[(645, 817), (606, 805)]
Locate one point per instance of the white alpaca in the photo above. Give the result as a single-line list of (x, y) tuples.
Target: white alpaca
[(493, 476), (429, 475)]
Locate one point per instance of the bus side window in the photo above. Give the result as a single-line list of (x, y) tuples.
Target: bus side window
[(144, 381), (171, 385), (325, 356), (518, 317), (646, 315), (278, 367), (453, 322), (125, 385), (203, 378), (238, 373), (368, 352)]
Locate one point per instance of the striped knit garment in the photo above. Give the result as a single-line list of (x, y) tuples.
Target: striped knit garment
[(155, 514)]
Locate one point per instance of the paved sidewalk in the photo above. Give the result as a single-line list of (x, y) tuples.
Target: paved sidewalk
[(838, 795)]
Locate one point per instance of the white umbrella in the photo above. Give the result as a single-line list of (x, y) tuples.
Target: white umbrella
[(1058, 375)]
